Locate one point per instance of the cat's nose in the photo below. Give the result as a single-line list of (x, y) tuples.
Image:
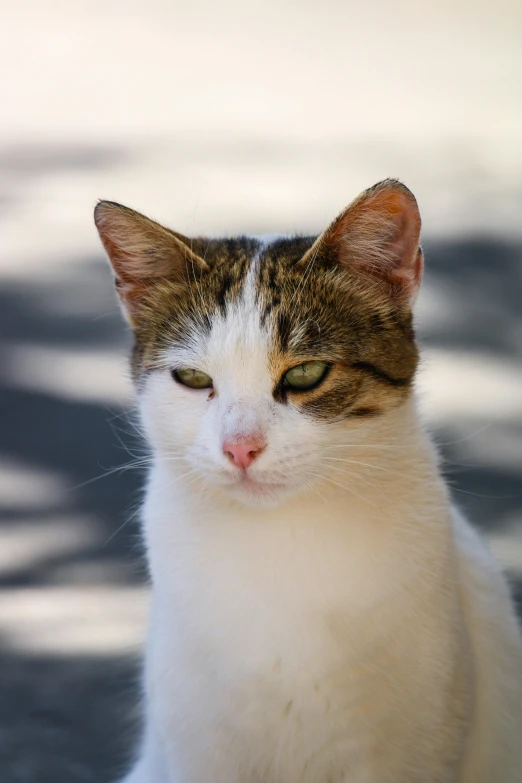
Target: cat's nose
[(244, 452)]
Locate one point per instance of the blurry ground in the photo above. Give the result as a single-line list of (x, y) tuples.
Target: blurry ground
[(262, 117)]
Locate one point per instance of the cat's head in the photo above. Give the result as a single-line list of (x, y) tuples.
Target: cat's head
[(253, 359)]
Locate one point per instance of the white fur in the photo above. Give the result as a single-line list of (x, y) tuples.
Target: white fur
[(335, 622)]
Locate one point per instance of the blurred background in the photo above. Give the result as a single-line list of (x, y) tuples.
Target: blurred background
[(222, 117)]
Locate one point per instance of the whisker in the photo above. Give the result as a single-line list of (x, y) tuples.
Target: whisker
[(355, 462), (357, 476), (118, 530), (465, 437), (325, 478), (184, 475), (311, 485), (485, 497), (367, 446), (136, 464), (106, 474)]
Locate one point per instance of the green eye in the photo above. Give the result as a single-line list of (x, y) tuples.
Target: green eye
[(305, 376), (195, 379)]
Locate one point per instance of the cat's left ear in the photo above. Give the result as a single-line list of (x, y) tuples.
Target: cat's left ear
[(142, 252), (377, 236)]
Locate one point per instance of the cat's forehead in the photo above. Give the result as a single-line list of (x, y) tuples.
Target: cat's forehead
[(265, 272), (247, 278), (234, 314), (266, 262)]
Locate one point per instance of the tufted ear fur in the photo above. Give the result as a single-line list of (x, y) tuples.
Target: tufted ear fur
[(378, 236), (142, 251)]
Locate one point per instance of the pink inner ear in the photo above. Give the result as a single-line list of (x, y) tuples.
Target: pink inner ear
[(400, 221), (410, 276), (400, 236), (405, 248), (379, 235)]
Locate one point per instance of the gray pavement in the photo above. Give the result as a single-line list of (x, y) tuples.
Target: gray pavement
[(255, 117)]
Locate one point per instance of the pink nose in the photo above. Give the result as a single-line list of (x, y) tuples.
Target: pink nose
[(243, 453)]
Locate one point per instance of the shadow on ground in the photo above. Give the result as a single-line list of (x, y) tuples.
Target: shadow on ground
[(63, 718)]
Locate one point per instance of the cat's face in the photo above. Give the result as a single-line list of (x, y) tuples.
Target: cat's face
[(255, 360)]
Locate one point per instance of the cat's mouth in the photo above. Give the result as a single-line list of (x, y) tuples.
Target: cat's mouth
[(258, 488)]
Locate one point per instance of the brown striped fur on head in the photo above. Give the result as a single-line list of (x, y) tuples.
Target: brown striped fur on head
[(343, 298)]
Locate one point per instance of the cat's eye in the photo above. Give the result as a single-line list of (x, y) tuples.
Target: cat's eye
[(305, 376), (195, 379)]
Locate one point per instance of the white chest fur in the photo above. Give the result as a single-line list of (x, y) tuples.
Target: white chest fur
[(296, 645)]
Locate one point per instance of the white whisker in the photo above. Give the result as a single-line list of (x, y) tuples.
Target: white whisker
[(357, 476), (366, 446), (356, 462), (325, 478)]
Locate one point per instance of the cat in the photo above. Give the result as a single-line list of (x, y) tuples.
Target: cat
[(320, 611)]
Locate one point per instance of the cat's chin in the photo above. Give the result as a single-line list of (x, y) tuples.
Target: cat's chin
[(252, 492)]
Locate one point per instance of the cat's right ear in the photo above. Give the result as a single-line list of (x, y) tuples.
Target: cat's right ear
[(377, 237), (142, 251)]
